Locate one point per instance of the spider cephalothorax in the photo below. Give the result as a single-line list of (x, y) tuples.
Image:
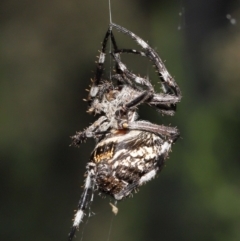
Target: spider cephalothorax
[(129, 152)]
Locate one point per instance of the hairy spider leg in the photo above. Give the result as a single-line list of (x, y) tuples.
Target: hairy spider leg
[(130, 51), (99, 71), (164, 103), (168, 83), (89, 132), (119, 76), (130, 75), (139, 99), (115, 48), (116, 54), (84, 203), (166, 132)]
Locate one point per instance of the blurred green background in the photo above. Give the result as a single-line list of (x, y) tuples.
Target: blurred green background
[(48, 50)]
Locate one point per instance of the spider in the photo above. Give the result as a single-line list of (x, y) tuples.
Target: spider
[(129, 152)]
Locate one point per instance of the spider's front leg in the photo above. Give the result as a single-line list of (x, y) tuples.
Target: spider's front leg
[(129, 75), (91, 132), (100, 66), (169, 85)]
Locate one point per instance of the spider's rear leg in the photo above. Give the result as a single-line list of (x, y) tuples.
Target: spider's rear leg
[(84, 202)]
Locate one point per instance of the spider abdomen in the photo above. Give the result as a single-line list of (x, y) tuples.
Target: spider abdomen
[(124, 160)]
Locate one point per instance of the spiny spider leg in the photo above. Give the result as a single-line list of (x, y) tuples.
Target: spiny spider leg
[(115, 48), (160, 130), (130, 75), (90, 132), (99, 72), (122, 69), (162, 102), (139, 99), (119, 76), (165, 103), (130, 51), (84, 203), (168, 83)]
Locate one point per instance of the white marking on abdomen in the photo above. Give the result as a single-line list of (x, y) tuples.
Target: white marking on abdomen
[(165, 147), (147, 177)]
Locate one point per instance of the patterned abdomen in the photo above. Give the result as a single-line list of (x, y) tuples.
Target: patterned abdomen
[(125, 161)]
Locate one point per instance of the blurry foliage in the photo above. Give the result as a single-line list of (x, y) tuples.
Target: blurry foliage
[(48, 51)]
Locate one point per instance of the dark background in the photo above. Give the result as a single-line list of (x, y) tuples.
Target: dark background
[(48, 50)]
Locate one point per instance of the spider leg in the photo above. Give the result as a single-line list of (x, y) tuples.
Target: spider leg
[(121, 69), (168, 83), (97, 128), (130, 51), (164, 103), (167, 102), (139, 99), (166, 132), (113, 40), (117, 53), (84, 202), (130, 75), (99, 72)]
